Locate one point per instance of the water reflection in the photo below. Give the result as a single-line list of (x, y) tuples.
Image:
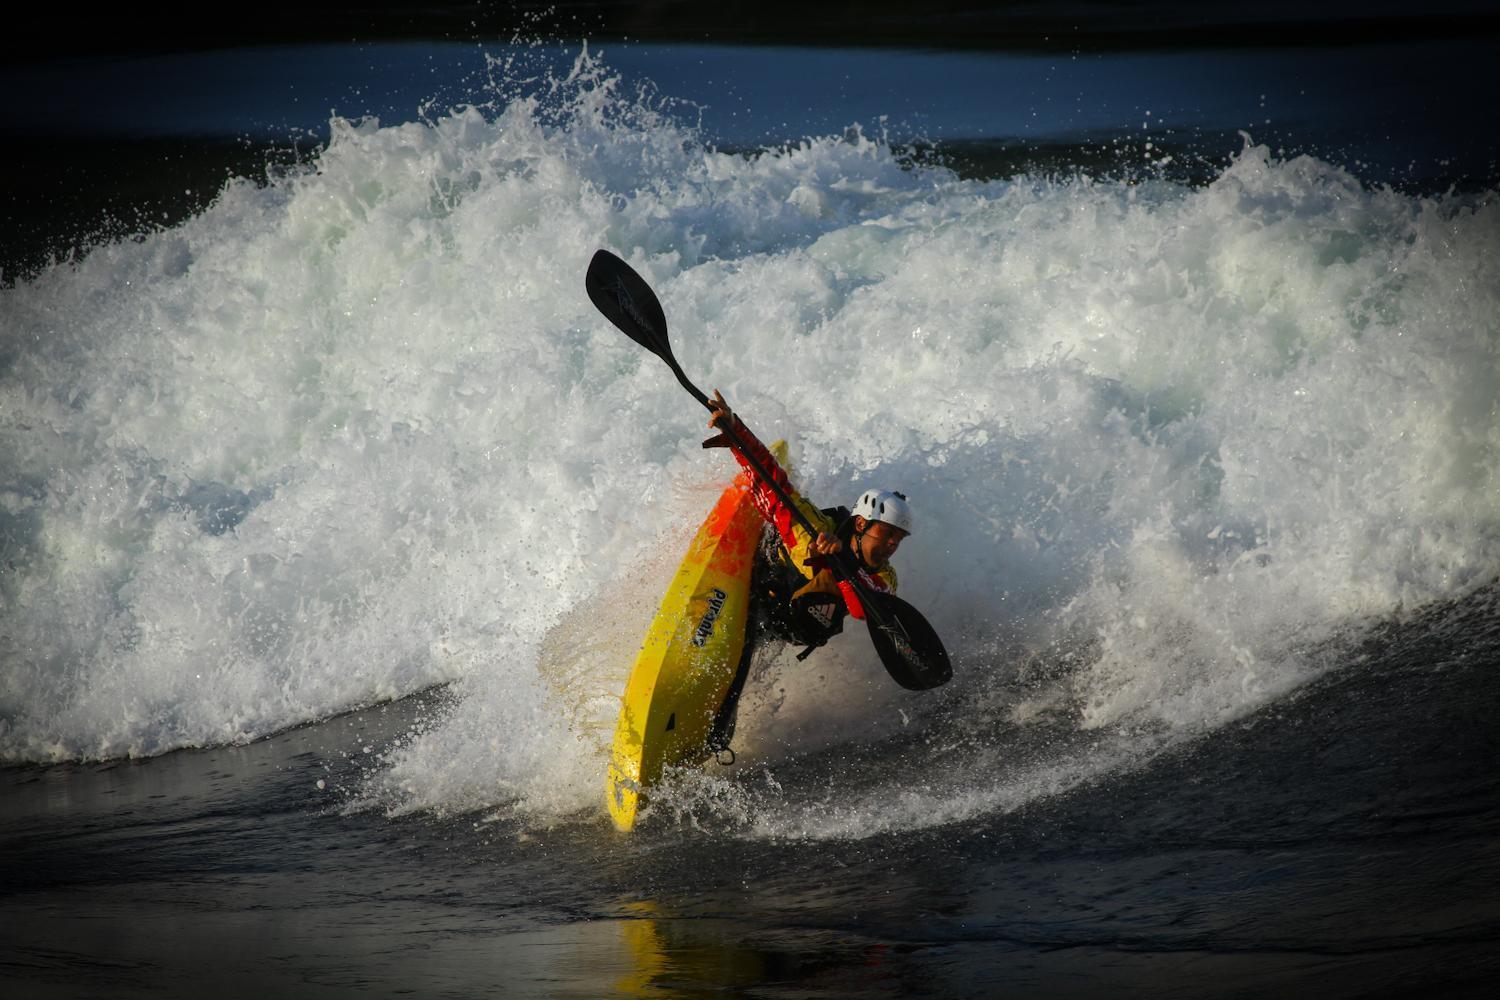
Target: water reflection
[(697, 956)]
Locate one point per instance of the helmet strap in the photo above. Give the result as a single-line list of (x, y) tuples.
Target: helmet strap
[(859, 543)]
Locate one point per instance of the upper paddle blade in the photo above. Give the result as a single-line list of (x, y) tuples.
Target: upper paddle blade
[(909, 648), (628, 302)]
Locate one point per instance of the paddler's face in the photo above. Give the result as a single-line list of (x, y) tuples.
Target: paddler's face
[(878, 542)]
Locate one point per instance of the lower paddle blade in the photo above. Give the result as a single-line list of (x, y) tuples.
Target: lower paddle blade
[(628, 302), (909, 648)]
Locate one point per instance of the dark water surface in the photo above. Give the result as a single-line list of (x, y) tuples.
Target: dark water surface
[(1346, 840)]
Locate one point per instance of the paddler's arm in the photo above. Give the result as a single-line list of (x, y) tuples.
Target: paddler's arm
[(723, 420), (802, 545), (807, 550), (750, 452)]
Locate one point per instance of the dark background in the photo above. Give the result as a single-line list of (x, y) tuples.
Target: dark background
[(1019, 25)]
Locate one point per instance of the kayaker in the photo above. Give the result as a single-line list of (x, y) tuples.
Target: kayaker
[(795, 595)]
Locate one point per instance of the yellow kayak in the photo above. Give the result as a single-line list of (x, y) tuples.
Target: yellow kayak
[(688, 661)]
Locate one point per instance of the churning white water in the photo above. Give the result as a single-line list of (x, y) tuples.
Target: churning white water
[(360, 432)]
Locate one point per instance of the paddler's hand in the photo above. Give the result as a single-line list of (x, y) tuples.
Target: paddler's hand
[(721, 421), (825, 544)]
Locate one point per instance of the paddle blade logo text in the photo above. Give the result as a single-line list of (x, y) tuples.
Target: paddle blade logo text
[(627, 306), (902, 645)]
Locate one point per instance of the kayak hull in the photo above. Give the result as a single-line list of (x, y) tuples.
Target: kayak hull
[(688, 659)]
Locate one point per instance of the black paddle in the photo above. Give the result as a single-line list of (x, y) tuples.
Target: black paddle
[(910, 650)]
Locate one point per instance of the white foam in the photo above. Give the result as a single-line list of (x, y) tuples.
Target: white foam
[(360, 432)]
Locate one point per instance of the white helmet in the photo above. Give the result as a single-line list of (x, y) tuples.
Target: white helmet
[(887, 506)]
